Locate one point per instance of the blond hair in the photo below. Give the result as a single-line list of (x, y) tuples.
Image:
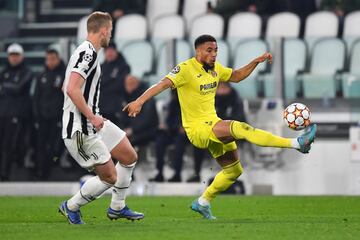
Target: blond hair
[(98, 20)]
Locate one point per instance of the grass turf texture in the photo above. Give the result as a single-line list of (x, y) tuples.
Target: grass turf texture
[(239, 217)]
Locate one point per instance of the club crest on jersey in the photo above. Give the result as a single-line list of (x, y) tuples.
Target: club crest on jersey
[(175, 70), (88, 57)]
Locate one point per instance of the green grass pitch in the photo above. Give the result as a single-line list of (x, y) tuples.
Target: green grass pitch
[(239, 217)]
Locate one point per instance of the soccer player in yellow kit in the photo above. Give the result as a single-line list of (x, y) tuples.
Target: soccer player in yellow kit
[(196, 81)]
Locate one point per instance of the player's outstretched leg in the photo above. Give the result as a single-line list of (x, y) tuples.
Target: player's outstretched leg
[(74, 217), (306, 139), (241, 130), (125, 212)]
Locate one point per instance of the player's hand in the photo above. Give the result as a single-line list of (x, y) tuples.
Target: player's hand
[(266, 56), (133, 108), (97, 122)]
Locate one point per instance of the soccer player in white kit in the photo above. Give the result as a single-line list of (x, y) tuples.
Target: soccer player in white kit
[(92, 140)]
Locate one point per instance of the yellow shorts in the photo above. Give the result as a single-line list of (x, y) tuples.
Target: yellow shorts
[(202, 136)]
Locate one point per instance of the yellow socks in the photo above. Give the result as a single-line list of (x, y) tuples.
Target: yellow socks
[(241, 130), (223, 180), (226, 177)]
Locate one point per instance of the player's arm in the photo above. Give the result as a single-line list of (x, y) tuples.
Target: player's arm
[(73, 90), (242, 73), (134, 107)]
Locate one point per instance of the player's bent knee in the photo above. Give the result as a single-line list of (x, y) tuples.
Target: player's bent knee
[(112, 179), (127, 157), (109, 178), (130, 160), (134, 157), (234, 171)]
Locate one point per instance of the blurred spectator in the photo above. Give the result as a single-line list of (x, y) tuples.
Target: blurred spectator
[(266, 8), (227, 8), (199, 155), (118, 8), (172, 132), (228, 103), (340, 8), (114, 70), (302, 9), (47, 107), (142, 129), (15, 110)]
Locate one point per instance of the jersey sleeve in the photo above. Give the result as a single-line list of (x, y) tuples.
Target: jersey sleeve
[(224, 73), (177, 76), (85, 62)]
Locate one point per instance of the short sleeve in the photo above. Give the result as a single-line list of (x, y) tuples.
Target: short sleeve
[(84, 63), (177, 75), (224, 73)]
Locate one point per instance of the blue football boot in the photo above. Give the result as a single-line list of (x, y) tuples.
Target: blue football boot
[(306, 139), (126, 212), (74, 217), (203, 210)]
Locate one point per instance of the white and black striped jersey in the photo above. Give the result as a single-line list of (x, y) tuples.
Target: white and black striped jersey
[(85, 62)]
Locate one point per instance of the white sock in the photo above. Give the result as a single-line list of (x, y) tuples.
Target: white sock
[(203, 202), (124, 178), (295, 144), (91, 189)]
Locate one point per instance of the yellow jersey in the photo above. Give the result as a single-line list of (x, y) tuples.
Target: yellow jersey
[(196, 89)]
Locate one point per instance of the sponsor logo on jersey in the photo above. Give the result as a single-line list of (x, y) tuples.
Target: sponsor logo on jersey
[(208, 86)]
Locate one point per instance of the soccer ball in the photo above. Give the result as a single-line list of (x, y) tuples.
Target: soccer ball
[(297, 116)]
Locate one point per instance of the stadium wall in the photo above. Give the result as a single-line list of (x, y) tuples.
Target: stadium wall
[(328, 170)]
